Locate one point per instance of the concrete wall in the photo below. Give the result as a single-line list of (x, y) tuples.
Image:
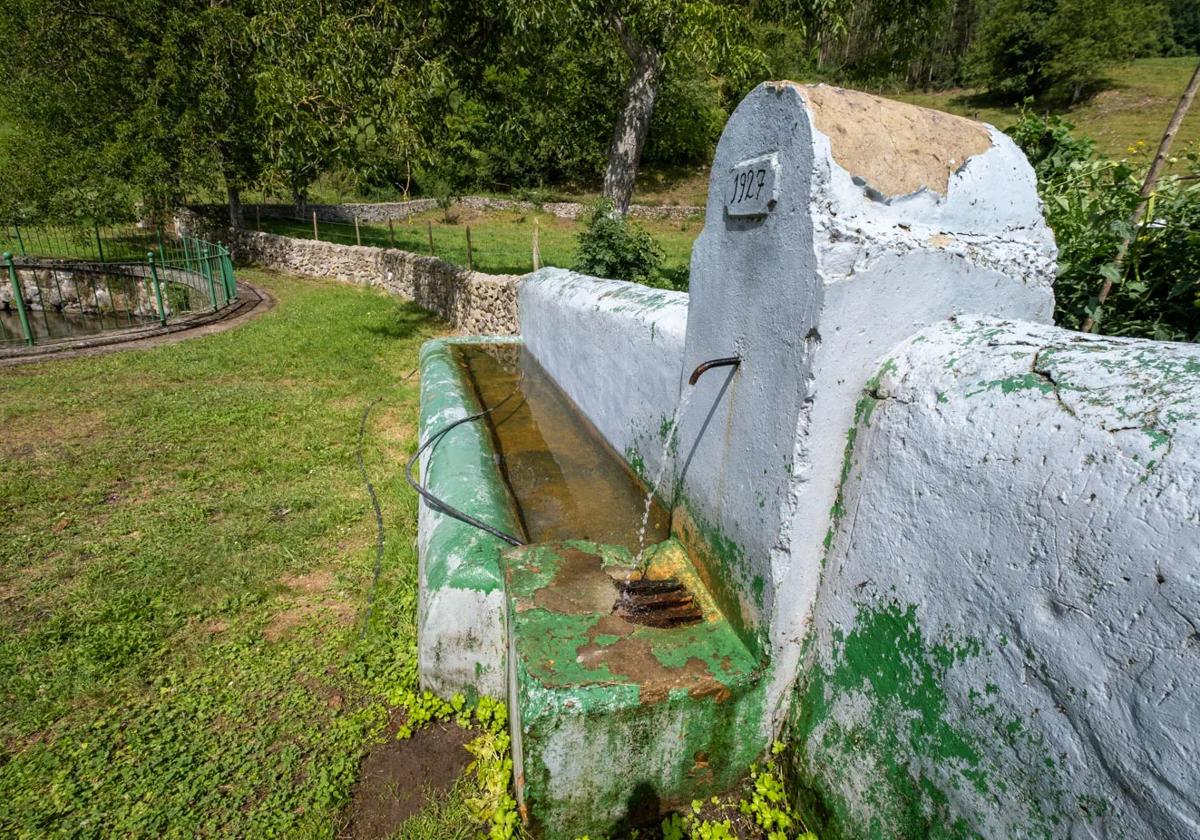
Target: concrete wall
[(460, 606), (474, 302), (873, 219), (616, 349), (1007, 637)]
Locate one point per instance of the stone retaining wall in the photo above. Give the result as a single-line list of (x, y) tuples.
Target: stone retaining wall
[(92, 288), (382, 211), (474, 302)]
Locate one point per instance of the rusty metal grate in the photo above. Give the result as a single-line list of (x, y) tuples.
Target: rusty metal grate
[(656, 603)]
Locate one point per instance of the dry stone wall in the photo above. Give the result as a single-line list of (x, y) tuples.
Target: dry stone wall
[(474, 302), (382, 211)]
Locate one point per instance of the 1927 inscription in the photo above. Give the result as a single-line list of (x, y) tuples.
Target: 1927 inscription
[(751, 188)]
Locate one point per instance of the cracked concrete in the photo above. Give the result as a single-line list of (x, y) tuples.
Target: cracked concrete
[(1022, 503)]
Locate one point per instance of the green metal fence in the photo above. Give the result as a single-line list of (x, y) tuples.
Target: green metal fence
[(94, 241), (64, 283)]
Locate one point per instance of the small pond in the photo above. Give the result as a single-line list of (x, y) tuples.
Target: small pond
[(52, 325)]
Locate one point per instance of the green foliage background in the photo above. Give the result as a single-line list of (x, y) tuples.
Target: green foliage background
[(122, 107), (1088, 202)]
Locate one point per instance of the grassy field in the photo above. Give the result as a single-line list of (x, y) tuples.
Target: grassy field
[(1135, 105), (186, 558), (501, 241)]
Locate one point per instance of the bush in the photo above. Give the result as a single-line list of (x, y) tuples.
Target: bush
[(1060, 46), (1088, 202), (612, 246), (442, 189)]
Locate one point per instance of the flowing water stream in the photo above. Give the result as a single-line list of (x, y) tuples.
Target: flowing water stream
[(668, 455)]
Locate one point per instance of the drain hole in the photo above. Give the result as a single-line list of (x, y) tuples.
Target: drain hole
[(656, 603)]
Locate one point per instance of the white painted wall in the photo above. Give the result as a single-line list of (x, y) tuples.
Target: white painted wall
[(811, 295), (615, 349), (1028, 495)]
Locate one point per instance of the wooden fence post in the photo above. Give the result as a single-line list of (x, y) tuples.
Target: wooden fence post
[(357, 235), (429, 228), (537, 249), (391, 234), (315, 225), (470, 256), (1139, 213)]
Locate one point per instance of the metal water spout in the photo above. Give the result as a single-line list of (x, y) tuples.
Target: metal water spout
[(704, 367)]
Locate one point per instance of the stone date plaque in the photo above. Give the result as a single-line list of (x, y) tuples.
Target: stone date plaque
[(751, 186)]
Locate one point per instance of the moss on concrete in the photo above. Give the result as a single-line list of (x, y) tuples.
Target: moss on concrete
[(662, 715)]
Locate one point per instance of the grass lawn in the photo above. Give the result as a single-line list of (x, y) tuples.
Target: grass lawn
[(1136, 105), (186, 558), (501, 241)]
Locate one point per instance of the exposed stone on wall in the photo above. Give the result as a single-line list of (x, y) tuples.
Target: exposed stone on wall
[(907, 150), (474, 302), (1006, 642)]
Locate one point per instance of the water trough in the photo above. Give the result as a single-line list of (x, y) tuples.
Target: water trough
[(822, 249)]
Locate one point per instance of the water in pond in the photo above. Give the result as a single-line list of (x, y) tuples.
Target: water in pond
[(52, 325), (566, 481)]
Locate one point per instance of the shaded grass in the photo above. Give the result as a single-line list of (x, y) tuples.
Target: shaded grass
[(501, 241), (165, 514)]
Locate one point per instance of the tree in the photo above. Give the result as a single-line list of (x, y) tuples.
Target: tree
[(122, 101), (1185, 25), (652, 35), (1035, 47), (913, 42)]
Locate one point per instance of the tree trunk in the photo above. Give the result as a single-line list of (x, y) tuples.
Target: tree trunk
[(237, 219), (633, 123)]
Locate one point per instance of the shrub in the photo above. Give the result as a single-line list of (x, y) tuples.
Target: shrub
[(1060, 46), (1088, 202), (443, 192), (612, 246)]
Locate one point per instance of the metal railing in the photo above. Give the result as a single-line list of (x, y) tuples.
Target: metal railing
[(67, 283), (94, 241)]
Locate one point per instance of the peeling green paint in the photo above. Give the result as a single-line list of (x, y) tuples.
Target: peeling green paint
[(726, 571), (665, 714), (461, 470), (874, 703), (864, 410), (1012, 384)]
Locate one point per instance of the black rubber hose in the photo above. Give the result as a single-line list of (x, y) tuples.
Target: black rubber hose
[(441, 506), (362, 468), (379, 538)]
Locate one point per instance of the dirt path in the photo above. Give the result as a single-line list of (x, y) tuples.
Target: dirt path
[(252, 302)]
